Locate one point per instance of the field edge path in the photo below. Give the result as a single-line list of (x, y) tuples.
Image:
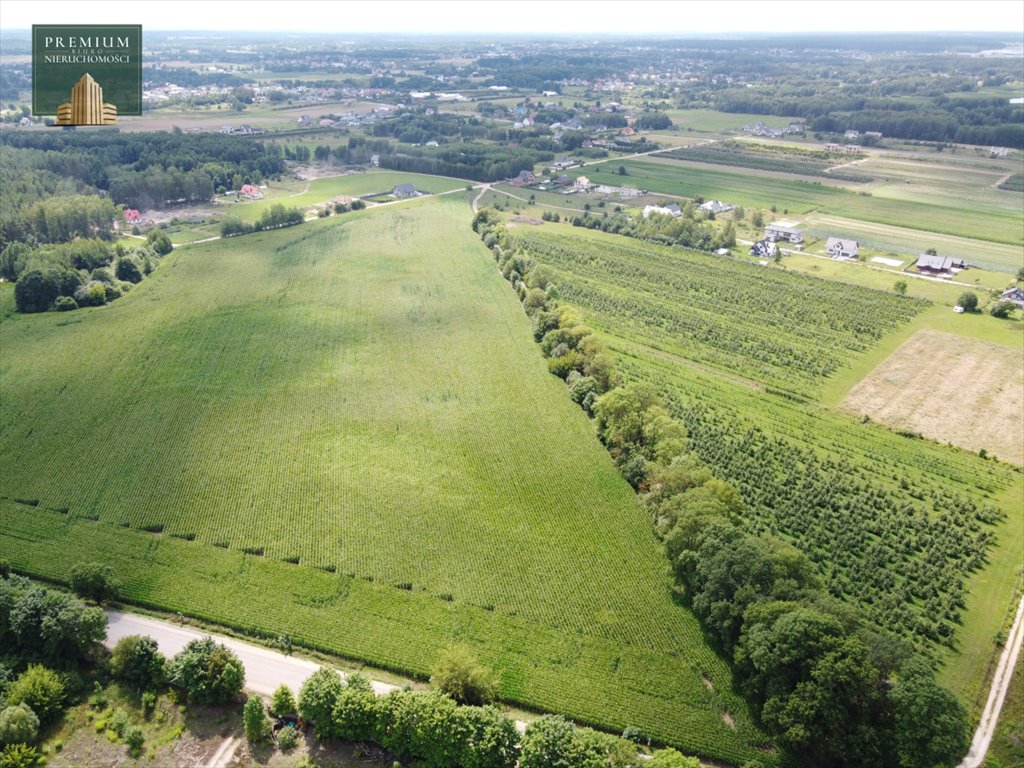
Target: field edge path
[(997, 695)]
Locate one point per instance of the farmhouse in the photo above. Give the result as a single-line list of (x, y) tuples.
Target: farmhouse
[(403, 191), (939, 264), (250, 192), (764, 249), (582, 183), (1014, 295), (716, 207), (629, 192), (778, 230), (524, 178), (562, 163), (841, 248), (132, 216)]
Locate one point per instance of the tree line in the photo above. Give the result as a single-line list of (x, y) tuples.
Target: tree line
[(832, 687), (84, 272)]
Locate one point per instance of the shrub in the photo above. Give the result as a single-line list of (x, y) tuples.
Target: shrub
[(93, 581), (1003, 309), (255, 720), (134, 737), (160, 242), (18, 725), (670, 758), (92, 294), (354, 715), (41, 689), (137, 661), (64, 303), (317, 699), (118, 722), (357, 205), (968, 300), (287, 738), (128, 269), (282, 702), (462, 677), (208, 672), (19, 756)]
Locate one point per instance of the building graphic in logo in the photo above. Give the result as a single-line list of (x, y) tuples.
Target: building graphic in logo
[(86, 106), (92, 62)]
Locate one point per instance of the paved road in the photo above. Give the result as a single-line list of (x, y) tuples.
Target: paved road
[(265, 670), (997, 694)]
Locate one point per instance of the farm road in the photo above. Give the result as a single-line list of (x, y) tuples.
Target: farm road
[(997, 694), (265, 670)]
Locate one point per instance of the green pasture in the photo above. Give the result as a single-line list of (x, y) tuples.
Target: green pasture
[(301, 194), (359, 402), (801, 197), (710, 120)]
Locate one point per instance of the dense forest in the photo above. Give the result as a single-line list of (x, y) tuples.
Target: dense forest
[(138, 170)]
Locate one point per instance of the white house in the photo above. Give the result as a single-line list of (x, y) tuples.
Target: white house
[(777, 230), (716, 207), (840, 248)]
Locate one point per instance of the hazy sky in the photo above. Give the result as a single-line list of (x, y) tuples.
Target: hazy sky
[(656, 17)]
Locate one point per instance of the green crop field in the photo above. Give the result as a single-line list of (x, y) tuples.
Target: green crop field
[(923, 536), (344, 431), (750, 189)]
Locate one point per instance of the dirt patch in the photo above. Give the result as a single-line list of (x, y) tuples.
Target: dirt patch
[(526, 220), (708, 684), (727, 719), (951, 389)]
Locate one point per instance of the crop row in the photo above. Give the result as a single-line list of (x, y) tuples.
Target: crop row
[(594, 681), (894, 524)]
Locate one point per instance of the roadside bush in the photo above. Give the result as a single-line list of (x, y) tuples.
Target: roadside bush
[(354, 716), (255, 720), (208, 672), (232, 227), (317, 699), (283, 702), (93, 581), (159, 242), (18, 725), (458, 674), (41, 689), (137, 661)]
